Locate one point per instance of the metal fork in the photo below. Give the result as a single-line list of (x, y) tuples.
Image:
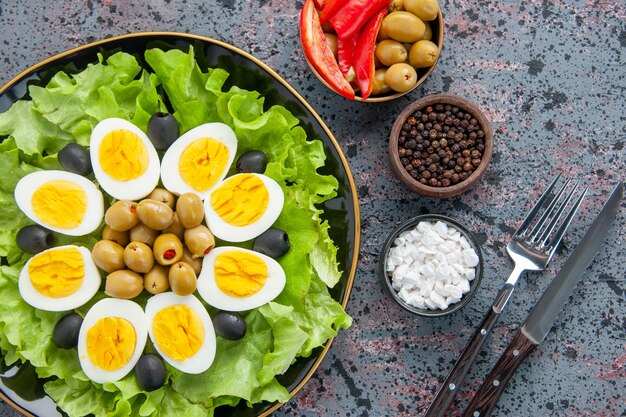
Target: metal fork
[(531, 248)]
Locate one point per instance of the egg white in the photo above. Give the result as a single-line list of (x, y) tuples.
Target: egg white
[(89, 287), (94, 214), (203, 358), (134, 189), (230, 233), (112, 307), (170, 173), (213, 295)]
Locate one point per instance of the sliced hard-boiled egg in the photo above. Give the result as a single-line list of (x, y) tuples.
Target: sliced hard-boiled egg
[(124, 160), (61, 201), (59, 279), (236, 279), (199, 159), (182, 332), (111, 339), (243, 206)]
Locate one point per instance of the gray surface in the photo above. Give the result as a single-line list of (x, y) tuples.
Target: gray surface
[(550, 77)]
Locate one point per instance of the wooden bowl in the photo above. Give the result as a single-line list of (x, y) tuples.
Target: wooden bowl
[(455, 189), (422, 73)]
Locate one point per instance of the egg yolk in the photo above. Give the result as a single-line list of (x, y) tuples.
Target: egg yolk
[(202, 163), (60, 203), (240, 200), (111, 343), (178, 331), (123, 155), (239, 274), (57, 273)]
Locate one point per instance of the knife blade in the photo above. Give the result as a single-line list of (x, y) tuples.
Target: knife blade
[(543, 315)]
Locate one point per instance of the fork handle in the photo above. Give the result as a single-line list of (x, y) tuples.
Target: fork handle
[(487, 396), (450, 387)]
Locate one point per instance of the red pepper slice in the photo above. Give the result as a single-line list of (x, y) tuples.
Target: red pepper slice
[(345, 51), (350, 19), (364, 56), (318, 52), (319, 4), (331, 7)]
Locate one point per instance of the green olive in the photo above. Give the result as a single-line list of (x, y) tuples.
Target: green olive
[(122, 215), (401, 77), (196, 263), (396, 5), (142, 233), (382, 35), (108, 256), (182, 278), (331, 40), (199, 240), (162, 195), (377, 63), (123, 284), (121, 238), (426, 10), (155, 214), (176, 228), (428, 32), (138, 257), (190, 210), (423, 54), (167, 249), (156, 280), (390, 52), (403, 27), (380, 87)]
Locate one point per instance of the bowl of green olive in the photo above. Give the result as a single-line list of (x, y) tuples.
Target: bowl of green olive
[(372, 50)]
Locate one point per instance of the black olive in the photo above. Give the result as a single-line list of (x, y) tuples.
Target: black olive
[(162, 130), (34, 239), (229, 325), (65, 334), (252, 161), (75, 158), (273, 243), (150, 372)]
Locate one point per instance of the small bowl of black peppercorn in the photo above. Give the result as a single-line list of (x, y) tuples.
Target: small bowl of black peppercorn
[(440, 145)]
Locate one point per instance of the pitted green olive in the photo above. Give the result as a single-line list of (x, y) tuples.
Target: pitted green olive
[(190, 210), (199, 240), (403, 27), (401, 77), (390, 52), (122, 215), (396, 5), (380, 87), (428, 32), (142, 233), (167, 249), (196, 263), (108, 256), (182, 278), (155, 214), (162, 195), (156, 280), (138, 257), (176, 228), (423, 54), (426, 10), (121, 238), (123, 284)]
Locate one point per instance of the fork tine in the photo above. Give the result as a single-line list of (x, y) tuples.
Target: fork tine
[(555, 218), (546, 215), (556, 240), (533, 212)]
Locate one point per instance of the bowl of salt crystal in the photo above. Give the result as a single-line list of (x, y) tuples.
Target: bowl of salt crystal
[(431, 265)]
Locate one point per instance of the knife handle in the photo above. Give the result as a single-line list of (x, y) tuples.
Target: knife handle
[(485, 400), (450, 387)]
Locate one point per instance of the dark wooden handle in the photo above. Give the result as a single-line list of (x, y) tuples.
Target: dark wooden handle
[(450, 387), (492, 388)]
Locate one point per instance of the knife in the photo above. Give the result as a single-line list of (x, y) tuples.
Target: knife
[(544, 313)]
